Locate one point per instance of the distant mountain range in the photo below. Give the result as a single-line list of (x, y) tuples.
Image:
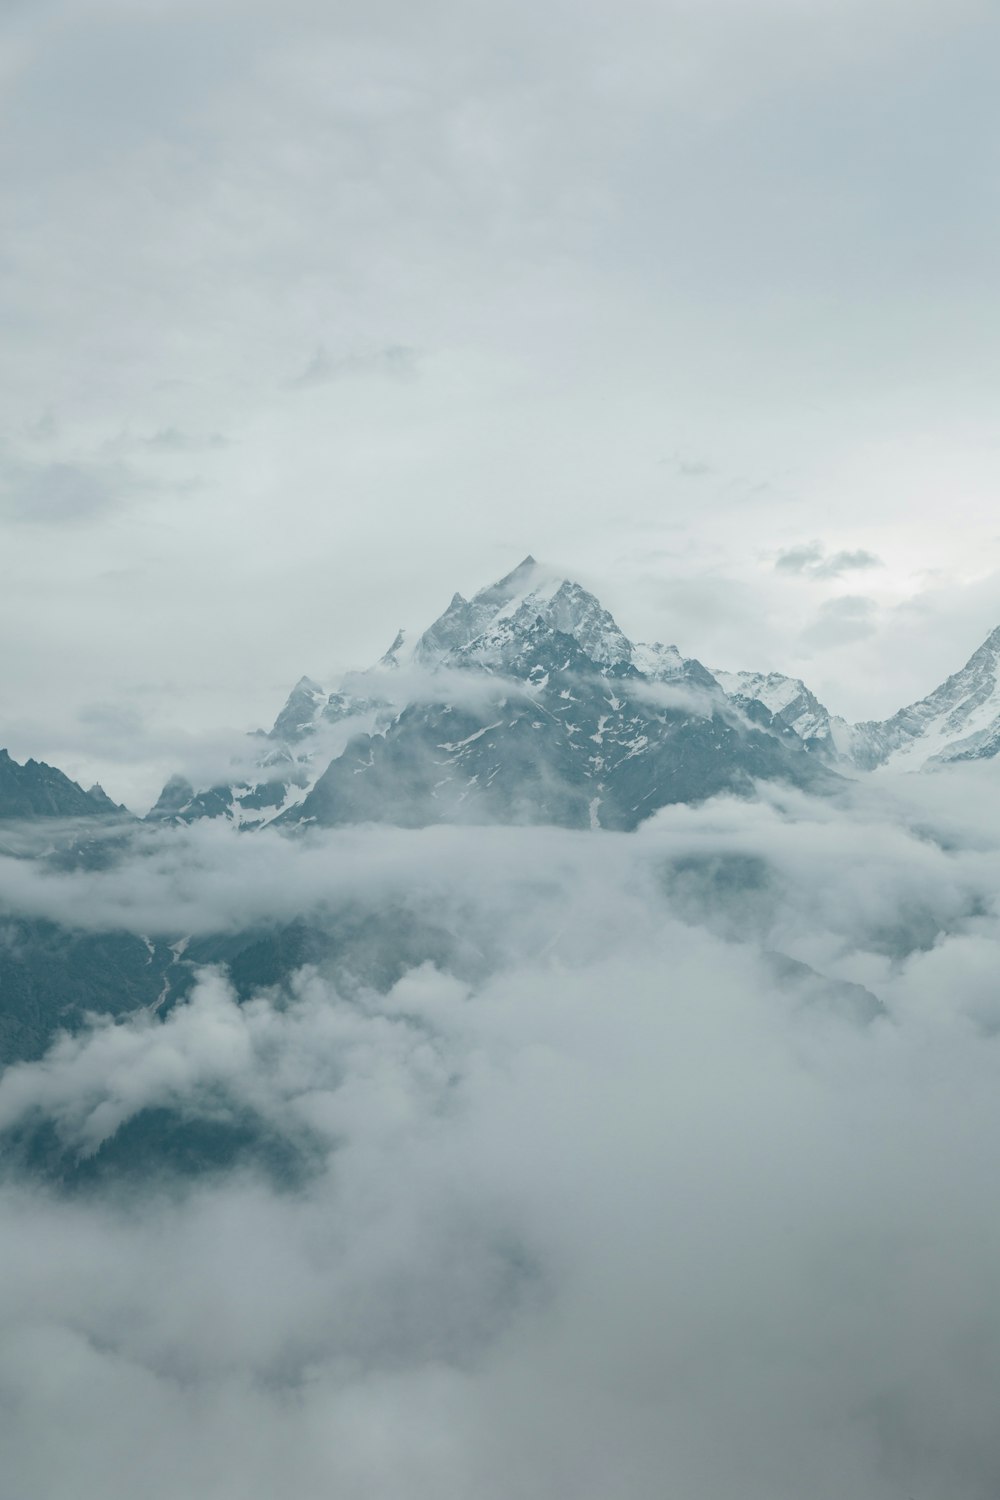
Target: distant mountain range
[(960, 720), (36, 790), (528, 703)]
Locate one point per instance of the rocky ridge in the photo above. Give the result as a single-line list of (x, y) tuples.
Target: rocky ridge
[(525, 703)]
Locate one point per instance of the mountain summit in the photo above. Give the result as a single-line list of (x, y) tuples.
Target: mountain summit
[(524, 703), (486, 628), (958, 721), (528, 703)]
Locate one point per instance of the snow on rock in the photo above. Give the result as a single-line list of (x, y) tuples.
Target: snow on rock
[(787, 700), (600, 705), (656, 661), (960, 720), (301, 710), (481, 630)]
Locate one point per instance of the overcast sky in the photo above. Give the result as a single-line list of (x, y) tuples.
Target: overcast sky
[(313, 314)]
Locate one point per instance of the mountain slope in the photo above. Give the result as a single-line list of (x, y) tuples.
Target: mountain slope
[(959, 720), (559, 718), (525, 703), (36, 790), (787, 701)]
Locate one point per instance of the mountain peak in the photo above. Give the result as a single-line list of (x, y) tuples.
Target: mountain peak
[(300, 710), (391, 657), (37, 790), (466, 619), (526, 565), (484, 628), (959, 720), (527, 577)]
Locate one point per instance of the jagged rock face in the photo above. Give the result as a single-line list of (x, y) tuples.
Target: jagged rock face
[(308, 707), (787, 705), (489, 627), (36, 790), (568, 728), (547, 713), (960, 720), (532, 764), (561, 738), (298, 717), (247, 804)]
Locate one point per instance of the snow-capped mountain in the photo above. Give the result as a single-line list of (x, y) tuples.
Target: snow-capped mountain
[(312, 728), (485, 628), (960, 720), (787, 703), (525, 703)]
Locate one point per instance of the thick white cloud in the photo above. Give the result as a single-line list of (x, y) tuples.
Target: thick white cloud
[(624, 1213)]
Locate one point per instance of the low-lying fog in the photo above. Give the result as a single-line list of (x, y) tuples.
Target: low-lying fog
[(623, 1203)]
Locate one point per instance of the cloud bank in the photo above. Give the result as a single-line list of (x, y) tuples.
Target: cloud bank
[(614, 1205)]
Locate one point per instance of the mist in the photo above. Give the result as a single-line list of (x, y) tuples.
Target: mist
[(616, 1205)]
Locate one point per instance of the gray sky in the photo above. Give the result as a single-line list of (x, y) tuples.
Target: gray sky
[(312, 315)]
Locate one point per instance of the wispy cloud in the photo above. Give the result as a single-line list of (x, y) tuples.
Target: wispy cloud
[(174, 440), (811, 560), (851, 617), (394, 362)]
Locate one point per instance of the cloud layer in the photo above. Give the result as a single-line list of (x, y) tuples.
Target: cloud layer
[(614, 1205)]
